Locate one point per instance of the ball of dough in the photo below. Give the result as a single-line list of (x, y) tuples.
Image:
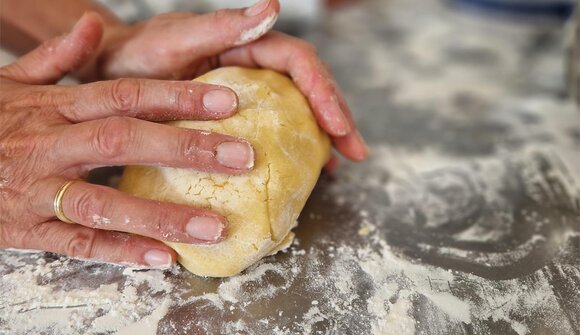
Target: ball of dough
[(261, 206)]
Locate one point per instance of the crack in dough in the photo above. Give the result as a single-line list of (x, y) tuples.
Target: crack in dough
[(261, 206)]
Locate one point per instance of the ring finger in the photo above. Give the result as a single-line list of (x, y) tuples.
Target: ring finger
[(104, 208)]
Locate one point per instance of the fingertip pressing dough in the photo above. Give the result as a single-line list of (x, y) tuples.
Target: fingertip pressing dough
[(261, 206)]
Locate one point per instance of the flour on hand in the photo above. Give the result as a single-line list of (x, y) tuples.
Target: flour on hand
[(256, 32)]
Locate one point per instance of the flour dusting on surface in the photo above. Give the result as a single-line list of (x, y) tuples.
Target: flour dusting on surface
[(465, 219), (366, 285)]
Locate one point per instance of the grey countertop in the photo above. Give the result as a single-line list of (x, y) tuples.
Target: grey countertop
[(466, 219)]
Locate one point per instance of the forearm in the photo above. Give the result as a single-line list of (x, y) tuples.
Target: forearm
[(26, 23)]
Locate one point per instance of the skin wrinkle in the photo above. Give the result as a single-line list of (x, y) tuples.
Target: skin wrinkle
[(131, 47)]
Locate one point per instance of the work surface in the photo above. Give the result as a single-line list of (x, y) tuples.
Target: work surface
[(466, 220)]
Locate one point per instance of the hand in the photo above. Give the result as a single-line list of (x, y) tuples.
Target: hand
[(51, 134), (186, 45)]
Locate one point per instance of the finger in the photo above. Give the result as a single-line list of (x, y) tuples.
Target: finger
[(332, 164), (298, 59), (155, 100), (101, 207), (350, 146), (293, 56), (86, 243), (353, 145), (198, 34), (125, 141), (56, 57)]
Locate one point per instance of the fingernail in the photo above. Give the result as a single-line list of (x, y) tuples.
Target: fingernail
[(220, 101), (257, 8), (365, 148), (157, 258), (342, 127), (235, 155), (80, 20), (69, 35), (205, 228)]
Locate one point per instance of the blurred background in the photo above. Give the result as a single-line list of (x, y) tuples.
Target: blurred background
[(303, 17), (468, 208)]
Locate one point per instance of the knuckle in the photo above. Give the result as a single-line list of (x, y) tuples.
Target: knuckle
[(125, 95), (81, 244), (188, 145), (184, 99), (306, 48), (39, 98), (17, 147), (35, 99), (158, 225), (89, 204), (112, 137), (46, 49), (220, 17), (21, 156)]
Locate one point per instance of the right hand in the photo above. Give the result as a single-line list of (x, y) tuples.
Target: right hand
[(50, 134)]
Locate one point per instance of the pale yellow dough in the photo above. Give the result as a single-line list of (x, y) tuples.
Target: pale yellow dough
[(261, 206)]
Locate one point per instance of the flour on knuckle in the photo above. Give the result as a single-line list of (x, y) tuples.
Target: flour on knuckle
[(88, 205)]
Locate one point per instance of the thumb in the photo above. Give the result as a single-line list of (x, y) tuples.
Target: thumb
[(54, 58), (223, 29)]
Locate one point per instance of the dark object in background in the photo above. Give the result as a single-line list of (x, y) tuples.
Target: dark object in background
[(337, 3), (561, 9), (573, 46)]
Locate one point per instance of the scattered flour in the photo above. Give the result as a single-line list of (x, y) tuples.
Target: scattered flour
[(397, 320), (27, 294), (148, 324), (256, 32), (100, 220), (229, 290), (363, 285), (396, 288)]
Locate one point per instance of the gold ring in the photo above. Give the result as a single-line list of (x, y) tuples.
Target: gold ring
[(57, 203)]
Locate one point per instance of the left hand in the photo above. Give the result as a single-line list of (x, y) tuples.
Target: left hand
[(186, 45)]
